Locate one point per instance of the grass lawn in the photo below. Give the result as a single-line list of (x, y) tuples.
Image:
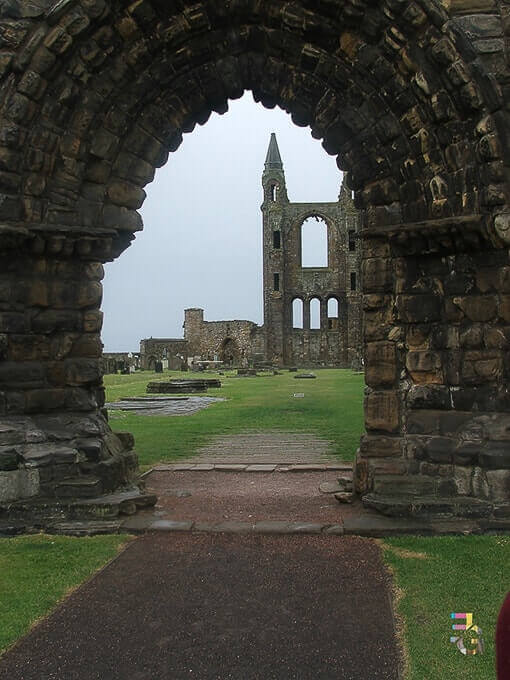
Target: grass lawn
[(36, 572), (332, 407), (434, 575), (447, 574)]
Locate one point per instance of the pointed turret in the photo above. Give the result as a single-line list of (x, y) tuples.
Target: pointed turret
[(273, 177), (273, 158)]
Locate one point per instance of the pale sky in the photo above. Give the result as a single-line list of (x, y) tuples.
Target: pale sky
[(202, 241)]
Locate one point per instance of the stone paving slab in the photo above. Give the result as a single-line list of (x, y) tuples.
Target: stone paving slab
[(213, 607), (266, 448), (261, 468), (368, 527), (345, 468), (163, 406)]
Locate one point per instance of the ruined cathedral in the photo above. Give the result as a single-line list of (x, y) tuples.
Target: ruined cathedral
[(312, 311)]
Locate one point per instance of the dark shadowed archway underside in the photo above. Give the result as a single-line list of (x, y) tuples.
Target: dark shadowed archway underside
[(410, 95)]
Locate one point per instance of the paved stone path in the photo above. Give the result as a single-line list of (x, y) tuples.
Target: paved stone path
[(163, 406), (266, 448), (221, 607)]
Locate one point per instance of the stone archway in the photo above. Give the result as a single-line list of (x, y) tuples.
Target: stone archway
[(410, 95), (229, 352)]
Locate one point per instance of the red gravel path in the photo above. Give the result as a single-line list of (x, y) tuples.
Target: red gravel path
[(247, 496), (220, 607)]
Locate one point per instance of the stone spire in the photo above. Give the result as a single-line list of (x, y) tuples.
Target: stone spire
[(273, 158)]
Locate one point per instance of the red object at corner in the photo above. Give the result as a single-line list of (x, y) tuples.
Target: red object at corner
[(503, 641)]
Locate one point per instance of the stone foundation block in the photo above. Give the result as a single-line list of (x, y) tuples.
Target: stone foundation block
[(495, 457), (411, 485), (18, 484), (499, 485)]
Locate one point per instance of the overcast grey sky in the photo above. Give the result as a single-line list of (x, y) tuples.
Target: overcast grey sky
[(202, 241)]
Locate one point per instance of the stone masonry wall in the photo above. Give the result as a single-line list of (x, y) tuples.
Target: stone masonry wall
[(412, 98), (175, 351), (235, 342), (335, 344)]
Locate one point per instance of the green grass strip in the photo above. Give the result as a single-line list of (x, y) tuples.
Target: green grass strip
[(440, 575), (36, 572), (332, 408)]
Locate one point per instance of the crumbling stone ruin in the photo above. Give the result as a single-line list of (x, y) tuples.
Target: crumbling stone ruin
[(291, 286), (335, 288), (235, 343), (123, 362), (410, 95), (170, 350)]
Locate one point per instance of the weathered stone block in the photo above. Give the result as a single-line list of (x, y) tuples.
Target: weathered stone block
[(44, 400), (440, 449), (82, 371), (381, 364), (425, 367), (361, 476), (14, 322), (412, 485), (122, 218), (478, 307), (467, 453), (418, 337), (126, 194), (91, 448), (496, 427), (18, 484), (504, 307), (453, 422), (481, 366), (89, 294), (378, 324), (495, 457), (429, 397), (92, 321), (380, 446), (377, 275), (423, 422), (51, 320), (471, 337), (497, 338), (462, 477), (419, 308), (499, 485), (479, 483), (382, 411), (87, 346), (9, 459), (16, 374)]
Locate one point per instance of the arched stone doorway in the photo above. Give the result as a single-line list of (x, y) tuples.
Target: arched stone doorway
[(229, 352), (411, 96)]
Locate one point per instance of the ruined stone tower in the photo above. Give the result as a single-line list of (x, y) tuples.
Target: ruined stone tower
[(333, 337)]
